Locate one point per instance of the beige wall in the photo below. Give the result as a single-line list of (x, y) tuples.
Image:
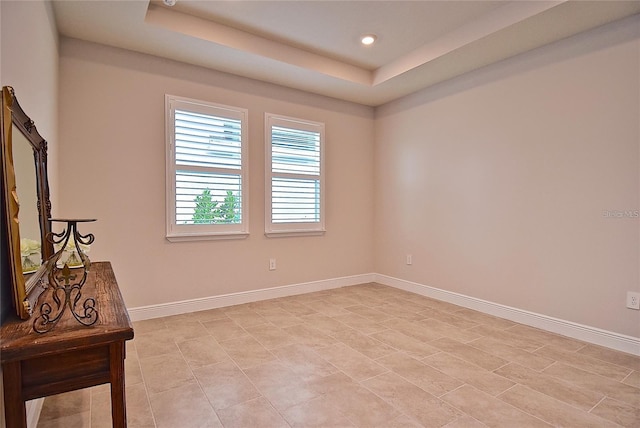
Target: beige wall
[(496, 182), (113, 168), (29, 63)]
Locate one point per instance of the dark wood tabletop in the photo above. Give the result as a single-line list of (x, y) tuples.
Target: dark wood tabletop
[(18, 340)]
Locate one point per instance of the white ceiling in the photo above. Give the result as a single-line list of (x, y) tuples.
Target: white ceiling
[(314, 45)]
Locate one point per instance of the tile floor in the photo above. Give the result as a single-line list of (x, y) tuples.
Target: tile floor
[(361, 356)]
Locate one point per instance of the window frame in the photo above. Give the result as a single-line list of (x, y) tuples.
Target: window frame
[(285, 229), (198, 232)]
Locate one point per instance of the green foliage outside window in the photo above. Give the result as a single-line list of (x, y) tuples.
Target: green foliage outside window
[(208, 211)]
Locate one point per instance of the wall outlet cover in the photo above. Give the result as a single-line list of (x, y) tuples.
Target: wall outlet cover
[(633, 300)]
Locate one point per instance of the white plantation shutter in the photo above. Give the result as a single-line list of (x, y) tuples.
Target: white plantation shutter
[(294, 176), (205, 172), (190, 185), (208, 153), (295, 200)]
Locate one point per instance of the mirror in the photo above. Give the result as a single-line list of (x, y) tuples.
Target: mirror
[(25, 171), (27, 205)]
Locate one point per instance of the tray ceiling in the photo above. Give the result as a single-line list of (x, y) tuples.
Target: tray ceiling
[(315, 45)]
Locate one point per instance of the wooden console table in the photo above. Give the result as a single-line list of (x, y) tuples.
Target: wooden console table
[(70, 356)]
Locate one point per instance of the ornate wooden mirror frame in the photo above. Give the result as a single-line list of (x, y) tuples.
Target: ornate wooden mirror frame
[(18, 132)]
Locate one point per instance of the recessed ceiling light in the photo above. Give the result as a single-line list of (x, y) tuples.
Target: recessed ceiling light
[(169, 2), (368, 39)]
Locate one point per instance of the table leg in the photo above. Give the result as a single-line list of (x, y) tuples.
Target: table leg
[(14, 407), (118, 401)]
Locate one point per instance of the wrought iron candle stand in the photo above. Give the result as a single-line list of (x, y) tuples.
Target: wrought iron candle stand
[(63, 280)]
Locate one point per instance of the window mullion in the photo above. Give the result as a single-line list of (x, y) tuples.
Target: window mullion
[(295, 175), (208, 169)]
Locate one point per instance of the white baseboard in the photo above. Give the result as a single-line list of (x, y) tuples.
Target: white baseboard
[(34, 407), (582, 332), (609, 339), (212, 302)]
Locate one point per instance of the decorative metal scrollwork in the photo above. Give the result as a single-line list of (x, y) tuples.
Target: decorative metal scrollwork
[(67, 292)]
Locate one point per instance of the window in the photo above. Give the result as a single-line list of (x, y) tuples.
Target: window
[(206, 170), (294, 176)]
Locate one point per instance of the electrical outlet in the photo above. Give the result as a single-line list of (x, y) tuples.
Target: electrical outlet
[(272, 264), (633, 300), (409, 259)]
